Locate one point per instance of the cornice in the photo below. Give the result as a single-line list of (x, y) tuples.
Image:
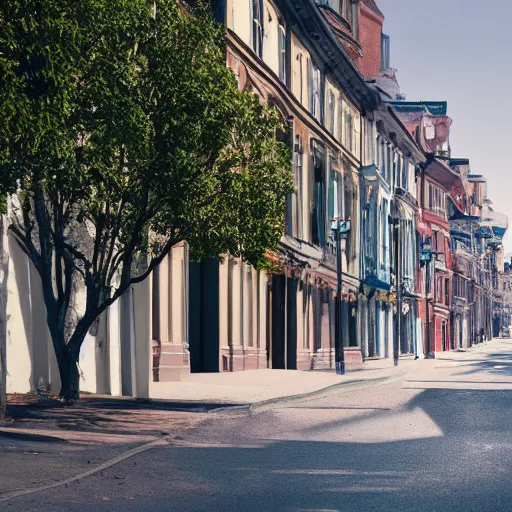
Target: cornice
[(316, 29)]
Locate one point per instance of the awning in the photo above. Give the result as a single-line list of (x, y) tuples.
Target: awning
[(462, 216), (375, 282)]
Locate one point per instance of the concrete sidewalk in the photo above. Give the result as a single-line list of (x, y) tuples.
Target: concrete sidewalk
[(254, 386), (44, 444)]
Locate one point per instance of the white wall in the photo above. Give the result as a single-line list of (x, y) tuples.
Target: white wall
[(239, 19), (30, 353), (271, 38)]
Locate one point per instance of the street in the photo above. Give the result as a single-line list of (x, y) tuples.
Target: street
[(438, 440)]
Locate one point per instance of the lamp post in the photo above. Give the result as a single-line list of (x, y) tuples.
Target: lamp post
[(426, 257), (398, 291), (340, 230)]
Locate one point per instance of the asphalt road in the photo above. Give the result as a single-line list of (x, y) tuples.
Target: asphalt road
[(439, 440)]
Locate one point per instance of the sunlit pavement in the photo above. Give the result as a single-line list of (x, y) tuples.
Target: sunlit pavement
[(439, 440)]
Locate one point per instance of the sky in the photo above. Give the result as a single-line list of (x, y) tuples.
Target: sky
[(460, 51)]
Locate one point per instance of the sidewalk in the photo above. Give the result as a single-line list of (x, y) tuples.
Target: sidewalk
[(254, 386), (44, 443)]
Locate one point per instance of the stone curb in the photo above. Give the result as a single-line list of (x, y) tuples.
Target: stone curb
[(272, 402), (106, 465)]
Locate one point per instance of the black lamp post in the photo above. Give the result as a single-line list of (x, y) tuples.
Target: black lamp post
[(340, 230), (426, 257)]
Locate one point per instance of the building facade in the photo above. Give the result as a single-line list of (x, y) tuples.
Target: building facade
[(422, 265)]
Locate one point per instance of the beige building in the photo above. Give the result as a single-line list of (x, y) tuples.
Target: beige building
[(223, 315)]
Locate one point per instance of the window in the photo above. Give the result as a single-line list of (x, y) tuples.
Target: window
[(439, 289), (298, 157), (332, 112), (282, 53), (314, 90), (300, 59), (349, 130), (405, 174), (257, 26), (318, 220), (347, 10), (389, 166), (397, 171), (436, 199), (383, 236), (385, 53), (334, 195), (369, 143), (447, 292)]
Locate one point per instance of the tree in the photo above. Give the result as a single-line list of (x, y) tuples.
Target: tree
[(8, 182), (130, 135), (4, 272)]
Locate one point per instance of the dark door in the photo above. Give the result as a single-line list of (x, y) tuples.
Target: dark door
[(204, 343), (278, 319), (284, 323)]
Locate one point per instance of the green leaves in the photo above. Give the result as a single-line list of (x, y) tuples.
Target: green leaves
[(132, 124)]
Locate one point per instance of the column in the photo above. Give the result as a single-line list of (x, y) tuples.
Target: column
[(262, 319), (173, 304), (302, 355), (224, 328), (235, 315), (163, 300)]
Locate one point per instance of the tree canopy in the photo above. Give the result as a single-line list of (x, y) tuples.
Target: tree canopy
[(127, 134)]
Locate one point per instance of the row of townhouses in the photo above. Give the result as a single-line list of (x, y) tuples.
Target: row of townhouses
[(421, 262)]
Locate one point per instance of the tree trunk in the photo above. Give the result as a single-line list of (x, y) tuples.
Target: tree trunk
[(4, 271), (67, 359)]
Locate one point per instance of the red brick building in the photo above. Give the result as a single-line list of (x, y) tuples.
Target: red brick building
[(429, 124), (375, 45)]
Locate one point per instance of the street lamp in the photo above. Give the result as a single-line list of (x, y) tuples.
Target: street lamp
[(426, 257), (340, 230)]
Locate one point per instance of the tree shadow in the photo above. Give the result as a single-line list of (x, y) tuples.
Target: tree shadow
[(465, 469)]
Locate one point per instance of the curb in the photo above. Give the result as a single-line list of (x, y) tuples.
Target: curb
[(106, 465), (268, 404)]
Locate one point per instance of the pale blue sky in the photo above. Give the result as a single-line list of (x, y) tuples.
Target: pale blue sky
[(461, 51)]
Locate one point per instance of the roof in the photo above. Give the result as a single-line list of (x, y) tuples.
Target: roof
[(459, 161), (435, 108), (373, 6)]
